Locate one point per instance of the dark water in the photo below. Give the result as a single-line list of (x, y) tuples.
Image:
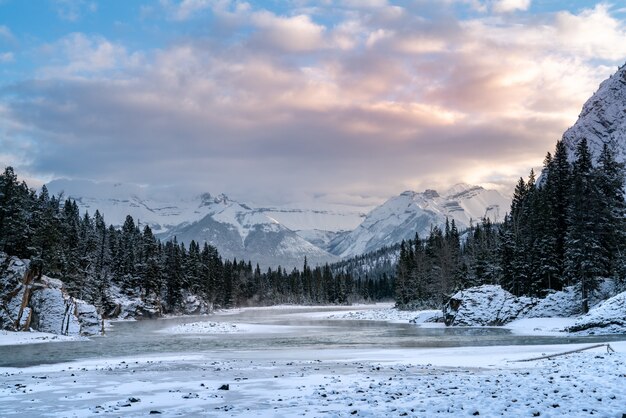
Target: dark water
[(141, 338)]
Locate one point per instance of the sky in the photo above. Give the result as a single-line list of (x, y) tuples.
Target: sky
[(282, 101)]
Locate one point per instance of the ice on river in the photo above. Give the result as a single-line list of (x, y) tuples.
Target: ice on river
[(361, 382)]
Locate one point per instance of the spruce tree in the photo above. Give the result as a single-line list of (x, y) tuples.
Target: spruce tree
[(584, 256)]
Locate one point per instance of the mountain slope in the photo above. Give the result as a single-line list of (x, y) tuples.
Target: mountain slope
[(602, 119), (402, 216), (244, 233)]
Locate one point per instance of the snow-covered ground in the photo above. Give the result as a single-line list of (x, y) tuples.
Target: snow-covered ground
[(224, 328), (423, 383), (34, 337), (387, 314), (366, 382)]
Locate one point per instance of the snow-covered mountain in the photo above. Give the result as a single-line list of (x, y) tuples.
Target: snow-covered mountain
[(402, 216), (241, 232), (282, 235), (160, 207), (234, 228), (602, 119)]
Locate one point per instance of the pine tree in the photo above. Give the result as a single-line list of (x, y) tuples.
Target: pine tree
[(584, 256), (609, 176)]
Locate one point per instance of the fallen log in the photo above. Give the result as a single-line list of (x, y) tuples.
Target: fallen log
[(609, 349)]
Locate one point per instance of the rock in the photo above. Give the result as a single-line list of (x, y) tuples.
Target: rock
[(562, 304), (41, 303), (486, 305), (195, 306), (89, 319), (607, 318), (54, 312)]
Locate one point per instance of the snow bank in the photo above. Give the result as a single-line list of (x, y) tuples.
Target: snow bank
[(485, 305), (607, 318), (385, 314), (203, 328), (34, 337)]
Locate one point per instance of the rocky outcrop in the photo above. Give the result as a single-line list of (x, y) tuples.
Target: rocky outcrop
[(31, 301), (486, 305), (607, 318), (125, 306), (562, 304)]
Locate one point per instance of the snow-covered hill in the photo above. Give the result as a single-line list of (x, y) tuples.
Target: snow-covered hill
[(602, 119), (402, 216)]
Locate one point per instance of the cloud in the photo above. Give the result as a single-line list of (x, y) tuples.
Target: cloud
[(186, 8), (333, 100), (6, 35), (73, 10), (592, 33), (290, 34), (6, 57), (508, 6), (81, 55)]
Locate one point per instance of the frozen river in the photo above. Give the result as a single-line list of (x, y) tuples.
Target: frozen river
[(271, 332)]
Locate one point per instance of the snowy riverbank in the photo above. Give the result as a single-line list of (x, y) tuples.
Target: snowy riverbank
[(289, 377), (35, 337), (424, 382)]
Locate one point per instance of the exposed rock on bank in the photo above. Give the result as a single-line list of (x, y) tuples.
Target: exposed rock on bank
[(30, 301), (491, 305), (607, 318), (486, 305)]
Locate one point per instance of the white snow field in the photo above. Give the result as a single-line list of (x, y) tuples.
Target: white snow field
[(248, 381)]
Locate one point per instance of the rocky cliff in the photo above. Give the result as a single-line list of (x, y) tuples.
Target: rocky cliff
[(29, 300)]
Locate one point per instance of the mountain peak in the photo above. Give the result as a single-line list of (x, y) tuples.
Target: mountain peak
[(459, 188), (602, 119)]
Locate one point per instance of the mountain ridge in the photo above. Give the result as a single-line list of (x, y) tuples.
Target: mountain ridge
[(275, 236)]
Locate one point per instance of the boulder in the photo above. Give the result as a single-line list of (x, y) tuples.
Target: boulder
[(606, 318), (562, 304), (486, 305), (125, 306), (195, 306), (28, 301)]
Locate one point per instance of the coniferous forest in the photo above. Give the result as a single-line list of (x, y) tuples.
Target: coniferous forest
[(91, 257), (566, 229)]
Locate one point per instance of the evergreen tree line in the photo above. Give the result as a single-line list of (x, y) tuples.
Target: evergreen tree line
[(567, 230), (96, 260), (376, 270), (430, 270)]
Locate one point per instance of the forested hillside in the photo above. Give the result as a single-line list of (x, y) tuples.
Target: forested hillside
[(567, 230)]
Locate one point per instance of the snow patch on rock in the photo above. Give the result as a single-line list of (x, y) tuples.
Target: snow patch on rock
[(561, 304), (607, 318), (486, 305)]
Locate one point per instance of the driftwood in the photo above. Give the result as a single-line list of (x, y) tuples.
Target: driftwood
[(609, 349)]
